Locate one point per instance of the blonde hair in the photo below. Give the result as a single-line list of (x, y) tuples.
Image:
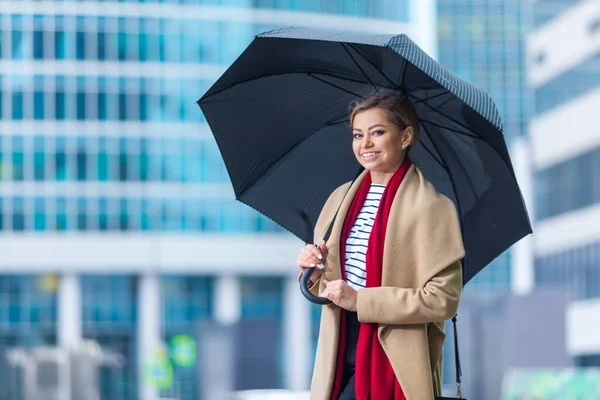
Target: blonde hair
[(399, 109)]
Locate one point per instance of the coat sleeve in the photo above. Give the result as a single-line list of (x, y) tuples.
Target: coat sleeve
[(437, 301)]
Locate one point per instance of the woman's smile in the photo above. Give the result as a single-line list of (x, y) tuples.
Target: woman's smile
[(370, 155)]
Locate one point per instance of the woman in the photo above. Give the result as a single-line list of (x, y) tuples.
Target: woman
[(381, 337)]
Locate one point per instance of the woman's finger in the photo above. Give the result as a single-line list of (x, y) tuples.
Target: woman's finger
[(310, 262), (324, 249), (315, 251)]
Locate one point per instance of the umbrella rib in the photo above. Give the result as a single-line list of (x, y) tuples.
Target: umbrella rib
[(433, 97), (452, 130), (404, 68), (206, 97), (390, 81), (344, 45), (507, 164), (247, 185), (439, 161), (441, 113), (333, 84)]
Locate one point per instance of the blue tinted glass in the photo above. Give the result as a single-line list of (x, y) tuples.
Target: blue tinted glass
[(38, 44), (568, 85), (80, 45), (18, 211), (38, 105), (17, 105), (81, 105), (124, 223), (102, 214), (18, 158), (104, 165), (39, 219), (39, 158), (192, 161), (101, 43), (61, 214), (60, 52), (120, 311), (122, 46), (81, 159), (122, 162), (143, 105), (18, 47), (186, 299), (60, 100), (60, 159), (112, 323), (568, 186), (102, 110), (82, 214), (144, 160), (122, 98), (28, 308)]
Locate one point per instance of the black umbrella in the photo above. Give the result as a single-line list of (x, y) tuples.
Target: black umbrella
[(280, 118)]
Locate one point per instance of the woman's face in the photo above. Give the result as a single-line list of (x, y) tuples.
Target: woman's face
[(378, 143)]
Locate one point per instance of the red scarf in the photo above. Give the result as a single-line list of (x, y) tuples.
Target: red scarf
[(374, 375)]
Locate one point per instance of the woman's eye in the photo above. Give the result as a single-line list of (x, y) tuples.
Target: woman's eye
[(377, 133), (357, 136)]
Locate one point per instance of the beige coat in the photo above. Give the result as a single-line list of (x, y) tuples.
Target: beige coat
[(421, 286)]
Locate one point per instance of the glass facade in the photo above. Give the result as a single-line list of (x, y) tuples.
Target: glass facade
[(568, 186), (577, 270), (569, 85), (547, 10), (109, 316), (186, 300), (27, 319), (483, 43), (262, 299)]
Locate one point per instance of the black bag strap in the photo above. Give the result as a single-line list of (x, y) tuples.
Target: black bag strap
[(457, 359)]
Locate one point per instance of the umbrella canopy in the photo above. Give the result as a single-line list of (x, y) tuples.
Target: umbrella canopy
[(280, 118)]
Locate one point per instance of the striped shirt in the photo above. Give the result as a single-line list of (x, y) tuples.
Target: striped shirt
[(358, 240)]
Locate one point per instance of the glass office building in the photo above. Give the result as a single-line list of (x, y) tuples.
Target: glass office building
[(117, 219), (484, 43), (566, 142)]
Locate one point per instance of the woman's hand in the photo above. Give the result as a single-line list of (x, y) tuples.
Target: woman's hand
[(341, 294), (311, 257)]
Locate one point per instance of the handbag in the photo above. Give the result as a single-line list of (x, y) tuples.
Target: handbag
[(457, 365)]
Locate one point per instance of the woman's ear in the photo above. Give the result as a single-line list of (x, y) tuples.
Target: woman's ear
[(408, 136)]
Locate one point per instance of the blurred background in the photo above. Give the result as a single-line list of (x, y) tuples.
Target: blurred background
[(127, 269)]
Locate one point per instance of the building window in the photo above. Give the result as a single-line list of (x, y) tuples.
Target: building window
[(587, 361), (568, 186), (110, 318)]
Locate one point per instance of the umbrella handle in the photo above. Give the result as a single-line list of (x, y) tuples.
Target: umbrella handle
[(307, 293)]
